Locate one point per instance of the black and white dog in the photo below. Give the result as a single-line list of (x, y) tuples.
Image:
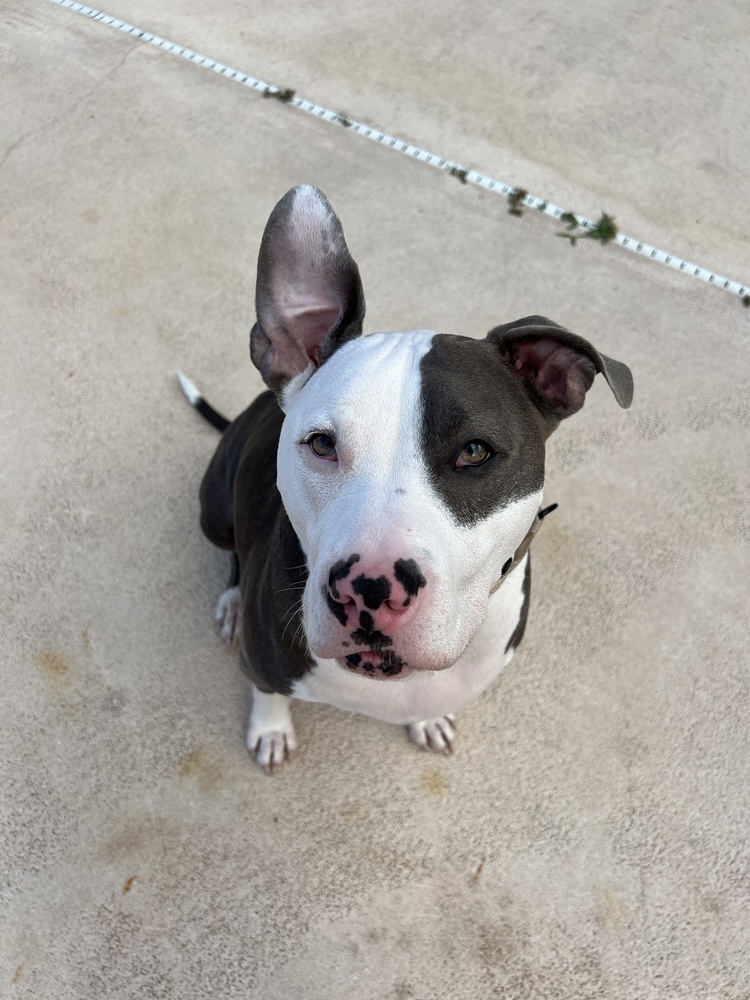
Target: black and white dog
[(377, 498)]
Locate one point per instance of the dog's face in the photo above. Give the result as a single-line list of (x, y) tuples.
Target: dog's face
[(411, 465), (410, 477)]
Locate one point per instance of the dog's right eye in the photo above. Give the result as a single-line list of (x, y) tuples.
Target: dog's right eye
[(323, 445)]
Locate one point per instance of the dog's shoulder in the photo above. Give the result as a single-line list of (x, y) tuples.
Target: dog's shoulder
[(244, 463), (249, 468), (274, 572)]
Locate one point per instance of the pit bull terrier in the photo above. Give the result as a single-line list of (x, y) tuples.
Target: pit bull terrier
[(379, 499)]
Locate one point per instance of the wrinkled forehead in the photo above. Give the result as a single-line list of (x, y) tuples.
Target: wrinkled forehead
[(374, 379)]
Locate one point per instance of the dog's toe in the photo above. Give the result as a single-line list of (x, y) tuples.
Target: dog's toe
[(272, 749), (434, 734), (228, 616)]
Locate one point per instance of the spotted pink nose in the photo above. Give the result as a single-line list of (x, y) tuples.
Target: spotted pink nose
[(376, 599)]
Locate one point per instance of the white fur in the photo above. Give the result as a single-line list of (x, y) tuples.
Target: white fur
[(270, 735), (189, 388), (228, 616), (434, 734)]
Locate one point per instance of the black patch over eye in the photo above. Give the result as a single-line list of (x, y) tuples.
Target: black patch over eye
[(469, 394), (322, 445), (474, 453)]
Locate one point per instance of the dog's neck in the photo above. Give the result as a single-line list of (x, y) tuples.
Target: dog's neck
[(523, 548)]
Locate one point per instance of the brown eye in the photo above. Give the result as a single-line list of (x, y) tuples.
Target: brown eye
[(323, 446), (473, 453)]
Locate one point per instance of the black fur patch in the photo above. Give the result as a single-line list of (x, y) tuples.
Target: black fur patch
[(339, 571), (409, 575), (373, 590), (368, 635), (392, 664), (469, 394), (274, 646), (366, 621), (234, 580)]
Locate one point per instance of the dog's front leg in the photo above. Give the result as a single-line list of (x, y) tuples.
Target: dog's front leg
[(271, 738), (228, 614)]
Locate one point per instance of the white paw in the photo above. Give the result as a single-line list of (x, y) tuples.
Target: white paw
[(434, 734), (271, 738), (228, 616)]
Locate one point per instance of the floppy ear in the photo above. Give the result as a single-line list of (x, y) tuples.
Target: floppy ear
[(557, 367), (308, 297)]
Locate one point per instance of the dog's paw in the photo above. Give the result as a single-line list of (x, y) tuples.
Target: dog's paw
[(271, 738), (270, 750), (434, 734), (228, 616)]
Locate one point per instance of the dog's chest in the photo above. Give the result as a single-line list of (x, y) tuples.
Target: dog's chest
[(425, 694)]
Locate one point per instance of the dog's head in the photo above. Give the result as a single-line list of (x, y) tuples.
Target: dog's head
[(411, 465)]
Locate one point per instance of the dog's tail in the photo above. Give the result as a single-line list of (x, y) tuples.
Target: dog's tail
[(196, 400)]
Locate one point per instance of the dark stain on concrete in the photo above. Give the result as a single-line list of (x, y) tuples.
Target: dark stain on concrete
[(129, 885), (198, 766), (351, 811), (52, 664), (610, 908), (433, 782)]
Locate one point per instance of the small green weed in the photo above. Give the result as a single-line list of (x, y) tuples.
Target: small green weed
[(459, 172), (515, 198), (285, 96)]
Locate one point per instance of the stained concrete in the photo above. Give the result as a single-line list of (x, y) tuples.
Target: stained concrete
[(589, 838)]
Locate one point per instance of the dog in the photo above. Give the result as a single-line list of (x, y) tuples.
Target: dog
[(380, 497)]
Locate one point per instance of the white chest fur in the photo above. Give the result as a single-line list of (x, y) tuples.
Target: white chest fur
[(426, 694)]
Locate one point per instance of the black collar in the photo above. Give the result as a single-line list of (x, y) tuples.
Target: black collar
[(523, 548)]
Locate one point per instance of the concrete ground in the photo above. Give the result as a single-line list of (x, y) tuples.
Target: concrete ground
[(589, 838)]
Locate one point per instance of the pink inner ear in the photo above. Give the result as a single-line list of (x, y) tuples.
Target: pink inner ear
[(312, 325), (561, 374)]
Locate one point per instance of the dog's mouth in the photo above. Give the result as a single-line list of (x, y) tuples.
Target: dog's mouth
[(380, 666)]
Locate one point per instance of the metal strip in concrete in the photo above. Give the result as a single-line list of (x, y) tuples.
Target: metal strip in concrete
[(464, 174)]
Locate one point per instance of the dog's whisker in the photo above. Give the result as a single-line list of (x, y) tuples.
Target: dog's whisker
[(296, 586), (300, 629), (295, 607), (291, 619), (292, 614)]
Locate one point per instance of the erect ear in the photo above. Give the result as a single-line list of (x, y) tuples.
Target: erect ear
[(557, 367), (308, 297)]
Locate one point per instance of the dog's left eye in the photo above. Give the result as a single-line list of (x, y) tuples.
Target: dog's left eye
[(474, 453), (322, 445)]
